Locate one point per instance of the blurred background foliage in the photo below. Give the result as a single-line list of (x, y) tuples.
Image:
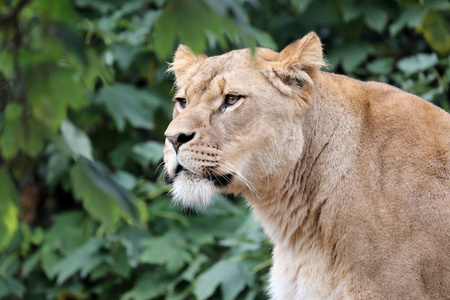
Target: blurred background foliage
[(84, 102)]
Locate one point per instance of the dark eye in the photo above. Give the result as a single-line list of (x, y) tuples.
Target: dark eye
[(182, 102), (232, 99)]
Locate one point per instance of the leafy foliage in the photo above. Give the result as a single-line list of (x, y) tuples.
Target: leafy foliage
[(84, 102)]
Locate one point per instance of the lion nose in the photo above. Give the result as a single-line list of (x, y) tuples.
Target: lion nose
[(179, 139)]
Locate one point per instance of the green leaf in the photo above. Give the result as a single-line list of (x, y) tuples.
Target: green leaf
[(20, 133), (169, 250), (172, 23), (100, 205), (351, 55), (67, 233), (194, 268), (124, 55), (119, 263), (376, 18), (61, 10), (231, 275), (49, 262), (9, 213), (148, 286), (70, 40), (164, 35), (350, 11), (264, 39), (51, 91), (30, 264), (416, 63), (411, 17), (77, 260), (381, 66), (104, 181), (6, 63), (300, 5), (33, 139), (125, 179), (149, 152), (436, 30), (57, 165), (126, 103), (11, 286), (11, 136), (76, 139)]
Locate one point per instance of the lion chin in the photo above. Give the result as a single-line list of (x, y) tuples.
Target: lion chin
[(192, 191)]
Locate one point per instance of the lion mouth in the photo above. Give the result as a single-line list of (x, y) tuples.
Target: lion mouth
[(218, 180)]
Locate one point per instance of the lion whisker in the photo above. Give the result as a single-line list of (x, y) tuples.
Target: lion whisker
[(242, 178)]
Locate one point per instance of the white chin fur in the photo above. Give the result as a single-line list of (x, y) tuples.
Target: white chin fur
[(189, 190)]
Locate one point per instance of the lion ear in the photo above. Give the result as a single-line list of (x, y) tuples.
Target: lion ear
[(297, 64), (184, 64)]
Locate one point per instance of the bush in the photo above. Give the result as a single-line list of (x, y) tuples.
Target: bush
[(84, 98)]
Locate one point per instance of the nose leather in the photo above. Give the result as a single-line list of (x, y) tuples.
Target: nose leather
[(179, 139)]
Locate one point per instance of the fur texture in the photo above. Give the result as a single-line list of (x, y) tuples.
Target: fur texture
[(350, 180)]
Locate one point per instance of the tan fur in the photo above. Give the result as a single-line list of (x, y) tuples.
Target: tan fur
[(350, 180)]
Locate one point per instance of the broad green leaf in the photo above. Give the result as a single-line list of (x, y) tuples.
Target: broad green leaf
[(411, 17), (376, 18), (49, 262), (126, 103), (33, 139), (199, 16), (76, 139), (119, 155), (300, 5), (164, 35), (149, 152), (11, 135), (351, 55), (57, 165), (124, 55), (77, 260), (230, 274), (101, 206), (125, 179), (11, 286), (172, 23), (61, 10), (51, 91), (169, 250), (30, 263), (264, 39), (119, 262), (67, 233), (436, 30), (70, 40), (416, 63), (148, 286), (4, 289), (351, 11), (20, 133), (194, 268), (6, 63), (92, 262), (381, 66), (105, 183), (9, 213)]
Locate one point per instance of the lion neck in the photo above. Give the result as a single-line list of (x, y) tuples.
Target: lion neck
[(296, 211)]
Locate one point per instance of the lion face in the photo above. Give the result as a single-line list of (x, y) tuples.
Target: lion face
[(236, 120)]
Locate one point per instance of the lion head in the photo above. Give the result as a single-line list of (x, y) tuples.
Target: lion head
[(236, 120)]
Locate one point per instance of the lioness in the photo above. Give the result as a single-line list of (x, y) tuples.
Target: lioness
[(350, 180)]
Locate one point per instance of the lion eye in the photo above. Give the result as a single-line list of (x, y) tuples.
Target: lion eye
[(182, 102), (231, 99)]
